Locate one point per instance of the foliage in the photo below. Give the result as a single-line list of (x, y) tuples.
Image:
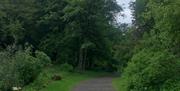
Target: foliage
[(122, 44), (8, 74), (41, 81), (149, 71), (45, 60), (68, 31), (82, 39), (66, 67), (155, 64), (20, 69)]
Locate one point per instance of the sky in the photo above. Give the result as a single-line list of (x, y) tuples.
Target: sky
[(126, 11)]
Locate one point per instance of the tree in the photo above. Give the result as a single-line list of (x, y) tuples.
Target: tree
[(83, 37), (155, 64)]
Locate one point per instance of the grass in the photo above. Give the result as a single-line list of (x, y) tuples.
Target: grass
[(67, 83), (69, 80), (116, 84)]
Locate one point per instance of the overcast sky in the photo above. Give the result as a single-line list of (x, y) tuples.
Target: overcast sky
[(126, 11)]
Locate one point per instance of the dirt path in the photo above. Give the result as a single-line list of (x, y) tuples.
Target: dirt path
[(98, 84)]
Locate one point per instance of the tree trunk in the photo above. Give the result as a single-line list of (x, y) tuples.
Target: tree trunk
[(80, 59)]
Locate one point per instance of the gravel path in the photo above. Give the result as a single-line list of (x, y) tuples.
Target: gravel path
[(98, 84)]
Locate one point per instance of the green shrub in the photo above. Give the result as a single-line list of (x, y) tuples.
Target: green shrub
[(66, 67), (151, 71), (171, 85), (27, 66), (44, 59), (20, 68), (8, 74), (41, 82)]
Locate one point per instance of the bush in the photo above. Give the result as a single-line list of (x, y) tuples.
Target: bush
[(66, 67), (27, 66), (151, 71), (41, 82), (21, 68), (171, 85), (44, 59), (8, 74)]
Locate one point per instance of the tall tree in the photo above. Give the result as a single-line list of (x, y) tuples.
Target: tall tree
[(83, 37)]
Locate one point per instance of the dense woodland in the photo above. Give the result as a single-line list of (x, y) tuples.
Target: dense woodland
[(83, 35)]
